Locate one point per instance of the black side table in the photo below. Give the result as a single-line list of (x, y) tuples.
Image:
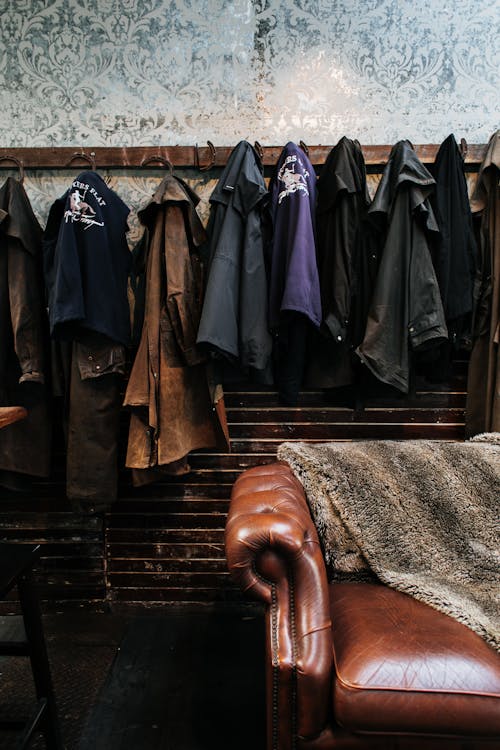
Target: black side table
[(16, 569)]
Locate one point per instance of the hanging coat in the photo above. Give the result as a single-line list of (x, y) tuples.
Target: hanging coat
[(294, 295), (25, 445), (483, 386), (294, 271), (86, 264), (174, 411), (406, 312), (454, 251), (347, 263), (234, 320)]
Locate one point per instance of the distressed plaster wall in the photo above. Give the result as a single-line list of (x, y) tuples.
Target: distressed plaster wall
[(143, 72), (132, 72)]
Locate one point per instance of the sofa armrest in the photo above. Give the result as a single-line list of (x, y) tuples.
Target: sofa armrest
[(274, 555)]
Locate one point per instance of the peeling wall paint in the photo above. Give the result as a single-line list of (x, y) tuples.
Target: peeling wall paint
[(145, 72), (170, 71)]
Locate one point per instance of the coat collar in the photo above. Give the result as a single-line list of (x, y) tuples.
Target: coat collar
[(174, 190)]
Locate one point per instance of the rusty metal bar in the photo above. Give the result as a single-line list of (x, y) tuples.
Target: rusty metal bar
[(194, 157)]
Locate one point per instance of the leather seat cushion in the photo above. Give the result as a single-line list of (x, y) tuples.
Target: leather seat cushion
[(401, 666)]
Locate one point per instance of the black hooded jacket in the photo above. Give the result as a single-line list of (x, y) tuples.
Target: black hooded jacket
[(406, 311), (455, 250), (234, 319), (347, 262)]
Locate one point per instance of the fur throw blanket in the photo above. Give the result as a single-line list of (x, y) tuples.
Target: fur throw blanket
[(421, 515)]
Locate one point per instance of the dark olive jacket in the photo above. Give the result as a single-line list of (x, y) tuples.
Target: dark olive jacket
[(173, 409), (24, 446), (406, 312), (483, 387)]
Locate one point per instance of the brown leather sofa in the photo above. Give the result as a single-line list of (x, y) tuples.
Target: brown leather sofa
[(352, 665), (11, 414)]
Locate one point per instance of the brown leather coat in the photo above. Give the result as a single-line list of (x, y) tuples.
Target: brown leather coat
[(483, 400), (173, 412), (24, 446)]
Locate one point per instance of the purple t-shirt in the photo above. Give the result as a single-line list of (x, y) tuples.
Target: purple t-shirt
[(294, 272)]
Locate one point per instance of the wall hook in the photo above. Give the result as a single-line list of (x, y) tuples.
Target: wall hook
[(89, 158), (158, 157), (197, 157), (260, 151), (17, 162), (304, 148), (463, 148)]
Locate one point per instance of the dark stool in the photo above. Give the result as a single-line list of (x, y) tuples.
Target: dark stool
[(16, 569)]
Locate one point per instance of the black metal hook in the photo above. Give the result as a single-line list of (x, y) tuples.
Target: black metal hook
[(463, 148), (17, 162), (304, 148), (158, 157), (197, 157), (89, 158), (260, 151)]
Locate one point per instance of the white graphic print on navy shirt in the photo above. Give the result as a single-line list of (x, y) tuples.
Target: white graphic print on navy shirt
[(79, 209)]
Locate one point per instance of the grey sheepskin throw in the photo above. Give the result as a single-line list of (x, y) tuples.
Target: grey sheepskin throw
[(423, 516)]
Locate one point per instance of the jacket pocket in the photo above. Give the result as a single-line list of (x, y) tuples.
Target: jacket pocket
[(97, 359), (427, 331)]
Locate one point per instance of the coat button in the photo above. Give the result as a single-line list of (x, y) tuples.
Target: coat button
[(90, 358), (412, 330), (98, 367)]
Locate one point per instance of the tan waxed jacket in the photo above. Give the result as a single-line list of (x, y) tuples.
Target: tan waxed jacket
[(483, 386), (24, 446), (173, 411)]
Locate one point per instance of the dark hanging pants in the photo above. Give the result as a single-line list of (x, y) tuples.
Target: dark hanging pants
[(88, 377)]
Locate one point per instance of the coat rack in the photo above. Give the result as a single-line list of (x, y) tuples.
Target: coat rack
[(201, 158)]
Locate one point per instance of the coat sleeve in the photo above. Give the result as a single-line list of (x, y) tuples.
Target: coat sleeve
[(25, 283), (183, 298), (26, 309), (426, 320)]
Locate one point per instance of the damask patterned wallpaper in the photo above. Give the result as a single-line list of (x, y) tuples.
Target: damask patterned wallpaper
[(132, 72)]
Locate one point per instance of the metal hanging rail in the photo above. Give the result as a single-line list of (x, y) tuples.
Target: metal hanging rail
[(201, 158)]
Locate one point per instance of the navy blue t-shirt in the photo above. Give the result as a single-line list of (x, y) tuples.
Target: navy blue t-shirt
[(87, 261)]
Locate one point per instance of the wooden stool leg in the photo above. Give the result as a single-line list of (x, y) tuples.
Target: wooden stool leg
[(49, 722)]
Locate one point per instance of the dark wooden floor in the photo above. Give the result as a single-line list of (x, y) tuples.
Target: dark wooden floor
[(169, 678)]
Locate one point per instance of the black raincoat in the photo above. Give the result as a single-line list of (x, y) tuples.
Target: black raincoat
[(347, 262), (454, 252), (406, 312), (234, 319)]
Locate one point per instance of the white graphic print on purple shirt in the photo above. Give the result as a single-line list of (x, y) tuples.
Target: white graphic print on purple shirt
[(291, 179)]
